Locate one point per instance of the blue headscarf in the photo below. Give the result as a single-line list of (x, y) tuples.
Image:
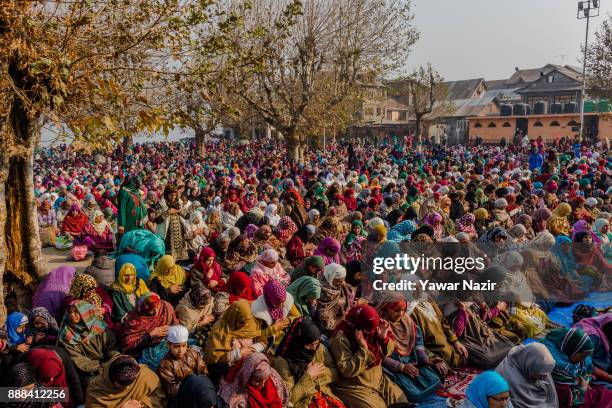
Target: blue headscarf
[(402, 231), (566, 260), (484, 386), (13, 321)]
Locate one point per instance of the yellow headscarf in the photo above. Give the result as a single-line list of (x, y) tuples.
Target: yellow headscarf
[(168, 272), (382, 232), (139, 287)]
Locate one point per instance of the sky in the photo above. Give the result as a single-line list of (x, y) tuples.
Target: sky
[(466, 39)]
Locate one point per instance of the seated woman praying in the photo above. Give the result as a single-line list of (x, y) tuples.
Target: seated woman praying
[(488, 390), (337, 297), (305, 291), (195, 312), (42, 327), (311, 266), (359, 344), (527, 370), (268, 268), (274, 310), (74, 222), (409, 366), (183, 372), (97, 233), (86, 339), (168, 280), (84, 287), (234, 335), (126, 291), (207, 271), (124, 383), (599, 330), (146, 327), (253, 383), (239, 287), (306, 366), (572, 350)]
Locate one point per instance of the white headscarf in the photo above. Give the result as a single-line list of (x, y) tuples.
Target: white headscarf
[(333, 271), (271, 215)]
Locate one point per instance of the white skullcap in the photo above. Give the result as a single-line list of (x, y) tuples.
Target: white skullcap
[(177, 334)]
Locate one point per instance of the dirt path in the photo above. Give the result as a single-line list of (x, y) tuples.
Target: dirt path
[(53, 258)]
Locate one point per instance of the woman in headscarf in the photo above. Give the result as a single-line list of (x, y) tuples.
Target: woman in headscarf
[(527, 370), (213, 222), (592, 265), (438, 335), (98, 234), (274, 310), (434, 220), (306, 291), (481, 223), (466, 224), (540, 218), (143, 243), (206, 271), (264, 239), (253, 383), (329, 228), (357, 232), (47, 223), (486, 346), (239, 287), (123, 381), (42, 327), (572, 350), (408, 366), (231, 215), (518, 234), (526, 221), (601, 230), (359, 344), (125, 292), (235, 335), (306, 367), (51, 292), (337, 297), (195, 312), (146, 327), (488, 390), (84, 287), (131, 209), (196, 234), (268, 268), (271, 215), (599, 330), (74, 222), (168, 280), (86, 339), (15, 330), (285, 229), (558, 224), (329, 250), (241, 254)]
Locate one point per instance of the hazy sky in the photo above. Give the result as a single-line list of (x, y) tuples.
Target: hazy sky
[(466, 39)]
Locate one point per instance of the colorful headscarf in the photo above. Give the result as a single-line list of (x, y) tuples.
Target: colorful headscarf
[(84, 287), (484, 386), (274, 294), (138, 287), (168, 272), (13, 322), (88, 328), (304, 290)]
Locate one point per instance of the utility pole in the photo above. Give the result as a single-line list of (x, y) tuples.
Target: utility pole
[(584, 11)]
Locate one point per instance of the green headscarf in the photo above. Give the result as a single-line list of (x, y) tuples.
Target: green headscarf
[(302, 270), (304, 290)]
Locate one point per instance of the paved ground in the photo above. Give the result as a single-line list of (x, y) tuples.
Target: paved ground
[(53, 257)]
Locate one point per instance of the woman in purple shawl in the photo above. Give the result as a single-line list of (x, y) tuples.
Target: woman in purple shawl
[(599, 329), (329, 249), (51, 292)]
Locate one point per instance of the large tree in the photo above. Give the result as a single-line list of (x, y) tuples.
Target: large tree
[(316, 61), (90, 66), (599, 62), (424, 91)]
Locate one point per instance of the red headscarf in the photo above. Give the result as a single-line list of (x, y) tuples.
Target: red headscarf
[(240, 375), (74, 223), (239, 287), (349, 199), (366, 319), (200, 264), (49, 367)]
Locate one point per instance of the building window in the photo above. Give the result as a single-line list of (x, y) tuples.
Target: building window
[(573, 123), (506, 125), (389, 115), (492, 125), (550, 79), (537, 124), (554, 123), (402, 115), (478, 125), (564, 99)]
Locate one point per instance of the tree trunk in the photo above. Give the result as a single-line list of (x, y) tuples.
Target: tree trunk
[(128, 141), (296, 146), (200, 142), (20, 251)]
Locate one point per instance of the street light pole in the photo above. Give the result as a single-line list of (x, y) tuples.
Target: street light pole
[(584, 11)]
